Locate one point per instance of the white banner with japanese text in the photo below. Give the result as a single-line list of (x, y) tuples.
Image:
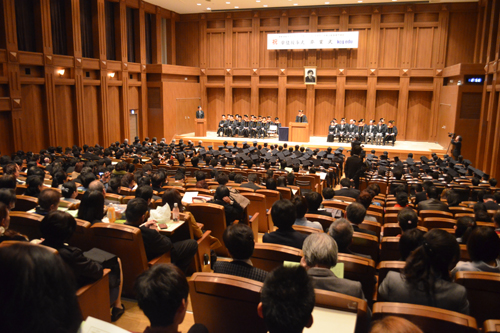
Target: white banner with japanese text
[(313, 40)]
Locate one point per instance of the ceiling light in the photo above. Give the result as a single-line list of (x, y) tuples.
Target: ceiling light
[(236, 7), (360, 0), (327, 3), (60, 72), (228, 3), (265, 5), (208, 8), (295, 4), (111, 74), (198, 4), (258, 1)]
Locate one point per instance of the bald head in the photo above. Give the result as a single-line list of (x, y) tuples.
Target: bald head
[(97, 185), (341, 231)]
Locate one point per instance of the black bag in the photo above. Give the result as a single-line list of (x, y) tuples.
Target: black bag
[(107, 260)]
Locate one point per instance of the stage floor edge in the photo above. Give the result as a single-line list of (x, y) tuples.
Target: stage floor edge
[(401, 148)]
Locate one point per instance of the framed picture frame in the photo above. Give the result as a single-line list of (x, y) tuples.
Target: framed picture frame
[(310, 75)]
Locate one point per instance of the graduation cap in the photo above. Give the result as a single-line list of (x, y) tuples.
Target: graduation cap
[(274, 152), (327, 163), (467, 162), (246, 151), (288, 160), (228, 155), (287, 153), (295, 161), (273, 159), (252, 149), (281, 156), (210, 147), (317, 162), (462, 172), (410, 163), (263, 151), (246, 158), (424, 159), (330, 156), (234, 150), (221, 147), (254, 157), (216, 153), (452, 172), (322, 153), (306, 163)]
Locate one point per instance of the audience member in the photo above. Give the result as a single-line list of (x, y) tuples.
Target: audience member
[(69, 192), (232, 209), (394, 324), (5, 233), (35, 186), (240, 243), (48, 201), (409, 241), (490, 202), (342, 231), (284, 214), (407, 219), (8, 198), (91, 207), (287, 300), (401, 199), (425, 280), (355, 213), (432, 202), (346, 190), (162, 294), (300, 204), (252, 180), (156, 244), (464, 226), (320, 255)]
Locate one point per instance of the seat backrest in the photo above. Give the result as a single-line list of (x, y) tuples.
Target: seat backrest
[(127, 198), (385, 267), (271, 197), (268, 256), (365, 244), (427, 318), (438, 222), (389, 249), (81, 237), (126, 243), (483, 293), (325, 221), (359, 269), (226, 303), (434, 213), (390, 218), (258, 204), (214, 219), (286, 193), (464, 254), (491, 326), (372, 226), (306, 230), (392, 230), (458, 210), (25, 203), (345, 199), (20, 189), (27, 224), (341, 302), (336, 204)]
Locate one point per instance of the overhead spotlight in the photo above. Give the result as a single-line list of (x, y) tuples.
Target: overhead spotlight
[(60, 72), (327, 3), (295, 4), (236, 7), (198, 4), (208, 8), (265, 5), (228, 3), (111, 74)]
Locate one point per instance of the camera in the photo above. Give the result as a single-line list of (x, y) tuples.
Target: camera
[(451, 135)]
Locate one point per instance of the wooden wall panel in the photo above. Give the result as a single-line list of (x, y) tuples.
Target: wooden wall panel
[(267, 58), (295, 101), (34, 121), (134, 101), (424, 53), (6, 137), (216, 47), (66, 115), (461, 38), (115, 116), (391, 47), (241, 49), (419, 109), (386, 105), (241, 101), (324, 111), (268, 102), (355, 104), (187, 48), (92, 120), (358, 58), (215, 108)]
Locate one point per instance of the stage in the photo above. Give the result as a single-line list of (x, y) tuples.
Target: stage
[(401, 148)]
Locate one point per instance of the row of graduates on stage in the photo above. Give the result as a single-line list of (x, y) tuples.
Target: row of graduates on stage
[(253, 127), (375, 133)]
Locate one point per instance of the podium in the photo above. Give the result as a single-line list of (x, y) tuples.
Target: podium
[(201, 127), (299, 132)]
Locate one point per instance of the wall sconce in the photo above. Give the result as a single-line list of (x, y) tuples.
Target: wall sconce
[(111, 74), (60, 72)]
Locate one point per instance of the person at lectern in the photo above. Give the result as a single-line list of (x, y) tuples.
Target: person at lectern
[(200, 114), (301, 118)]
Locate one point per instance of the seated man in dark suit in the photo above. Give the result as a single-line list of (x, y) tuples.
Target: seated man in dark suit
[(490, 201), (341, 231), (162, 294), (432, 202), (252, 179), (320, 254), (240, 243), (355, 213), (287, 300), (156, 244), (346, 190), (284, 214), (314, 201)]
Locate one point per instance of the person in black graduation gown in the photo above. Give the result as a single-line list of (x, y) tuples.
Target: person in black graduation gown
[(301, 117), (332, 130), (222, 126), (391, 133), (457, 147)]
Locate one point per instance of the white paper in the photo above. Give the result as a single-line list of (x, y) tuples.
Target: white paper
[(313, 40), (322, 175), (93, 325), (324, 320), (294, 191), (188, 197)]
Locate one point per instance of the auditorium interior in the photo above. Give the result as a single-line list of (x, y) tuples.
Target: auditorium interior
[(76, 72)]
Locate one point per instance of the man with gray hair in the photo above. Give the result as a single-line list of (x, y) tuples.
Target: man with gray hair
[(342, 231), (320, 254)]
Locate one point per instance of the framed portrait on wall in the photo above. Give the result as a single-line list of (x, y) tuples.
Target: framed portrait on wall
[(310, 75)]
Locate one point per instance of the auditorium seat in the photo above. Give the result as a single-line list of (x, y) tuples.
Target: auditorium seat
[(27, 224), (114, 198), (126, 243), (336, 204), (491, 326), (82, 238), (458, 210), (127, 198), (459, 215), (464, 254), (390, 218), (25, 203), (243, 190), (306, 184), (438, 222), (258, 204), (286, 193), (21, 188), (214, 219), (429, 319), (385, 267), (271, 197), (365, 244), (200, 191), (434, 213), (389, 249), (372, 226), (306, 230), (483, 293), (324, 220), (359, 269), (268, 256)]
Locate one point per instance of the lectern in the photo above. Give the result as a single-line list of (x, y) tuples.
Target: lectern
[(299, 132), (201, 127)]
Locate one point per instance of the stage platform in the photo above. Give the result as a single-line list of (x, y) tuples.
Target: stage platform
[(401, 148)]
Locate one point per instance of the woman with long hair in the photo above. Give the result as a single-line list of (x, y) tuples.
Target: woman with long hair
[(91, 207), (425, 279)]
